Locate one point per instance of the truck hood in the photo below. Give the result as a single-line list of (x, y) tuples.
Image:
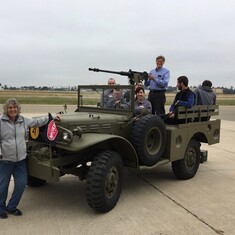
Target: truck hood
[(93, 122)]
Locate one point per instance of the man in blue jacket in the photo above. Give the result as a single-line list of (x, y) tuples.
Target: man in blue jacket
[(185, 97)]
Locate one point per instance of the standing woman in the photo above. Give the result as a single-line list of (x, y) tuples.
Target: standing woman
[(13, 129)]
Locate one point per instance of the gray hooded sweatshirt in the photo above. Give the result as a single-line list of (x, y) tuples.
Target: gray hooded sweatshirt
[(12, 136), (205, 95)]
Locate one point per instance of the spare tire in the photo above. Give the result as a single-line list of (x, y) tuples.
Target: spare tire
[(149, 139)]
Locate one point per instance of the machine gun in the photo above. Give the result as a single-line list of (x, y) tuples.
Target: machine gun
[(134, 76)]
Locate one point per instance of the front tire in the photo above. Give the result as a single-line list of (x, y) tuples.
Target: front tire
[(104, 181), (187, 167)]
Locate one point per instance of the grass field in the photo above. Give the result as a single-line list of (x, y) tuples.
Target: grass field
[(40, 97), (70, 97)]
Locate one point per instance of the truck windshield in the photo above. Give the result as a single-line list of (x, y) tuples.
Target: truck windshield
[(106, 97)]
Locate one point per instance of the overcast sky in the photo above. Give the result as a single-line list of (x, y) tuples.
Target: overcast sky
[(54, 42)]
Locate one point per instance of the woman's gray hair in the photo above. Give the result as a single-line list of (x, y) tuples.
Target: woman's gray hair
[(9, 102)]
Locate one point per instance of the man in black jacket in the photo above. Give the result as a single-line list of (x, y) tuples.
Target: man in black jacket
[(185, 97)]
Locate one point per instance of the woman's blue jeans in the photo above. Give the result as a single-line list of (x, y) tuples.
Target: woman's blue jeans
[(19, 172)]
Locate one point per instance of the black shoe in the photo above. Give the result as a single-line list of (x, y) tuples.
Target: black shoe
[(15, 212), (3, 215)]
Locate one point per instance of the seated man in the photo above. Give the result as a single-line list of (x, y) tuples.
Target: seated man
[(185, 97), (108, 93), (117, 101), (205, 96)]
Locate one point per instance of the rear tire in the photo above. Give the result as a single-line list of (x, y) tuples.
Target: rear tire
[(104, 181), (187, 167)]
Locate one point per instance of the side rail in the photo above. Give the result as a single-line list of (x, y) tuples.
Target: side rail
[(197, 112)]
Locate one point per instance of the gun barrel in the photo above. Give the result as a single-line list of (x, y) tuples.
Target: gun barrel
[(108, 71), (134, 76)]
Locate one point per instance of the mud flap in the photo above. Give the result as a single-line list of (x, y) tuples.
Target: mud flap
[(203, 156)]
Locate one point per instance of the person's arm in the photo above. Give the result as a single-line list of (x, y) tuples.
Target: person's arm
[(163, 81), (214, 99), (172, 107), (147, 82), (148, 106), (122, 105), (0, 141), (39, 121), (196, 92), (189, 103)]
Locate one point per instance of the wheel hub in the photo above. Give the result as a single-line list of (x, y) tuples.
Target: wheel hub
[(153, 141), (111, 183), (191, 156)]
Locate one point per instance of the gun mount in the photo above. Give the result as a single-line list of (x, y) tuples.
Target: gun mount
[(134, 76)]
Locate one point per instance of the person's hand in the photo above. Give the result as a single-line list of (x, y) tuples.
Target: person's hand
[(144, 112), (172, 115), (57, 118), (135, 119), (117, 103), (151, 77)]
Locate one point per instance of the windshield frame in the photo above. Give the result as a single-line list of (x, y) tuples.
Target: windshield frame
[(96, 88)]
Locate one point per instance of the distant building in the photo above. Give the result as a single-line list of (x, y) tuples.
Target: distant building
[(218, 90)]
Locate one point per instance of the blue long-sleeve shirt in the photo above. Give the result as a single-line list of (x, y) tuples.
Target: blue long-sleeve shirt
[(161, 79)]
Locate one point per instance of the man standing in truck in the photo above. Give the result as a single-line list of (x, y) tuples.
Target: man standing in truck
[(158, 82)]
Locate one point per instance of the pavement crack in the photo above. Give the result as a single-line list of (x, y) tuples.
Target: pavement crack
[(217, 231)]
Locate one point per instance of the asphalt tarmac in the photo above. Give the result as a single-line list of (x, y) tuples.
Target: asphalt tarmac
[(154, 202)]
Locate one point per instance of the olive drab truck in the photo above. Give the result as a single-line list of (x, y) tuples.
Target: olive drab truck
[(96, 142)]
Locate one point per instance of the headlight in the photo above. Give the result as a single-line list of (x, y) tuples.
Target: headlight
[(78, 132), (67, 137)]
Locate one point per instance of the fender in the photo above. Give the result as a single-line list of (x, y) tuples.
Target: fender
[(104, 141)]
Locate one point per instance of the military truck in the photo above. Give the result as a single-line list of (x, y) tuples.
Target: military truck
[(96, 142)]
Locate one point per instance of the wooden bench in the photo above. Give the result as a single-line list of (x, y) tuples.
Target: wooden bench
[(197, 113)]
